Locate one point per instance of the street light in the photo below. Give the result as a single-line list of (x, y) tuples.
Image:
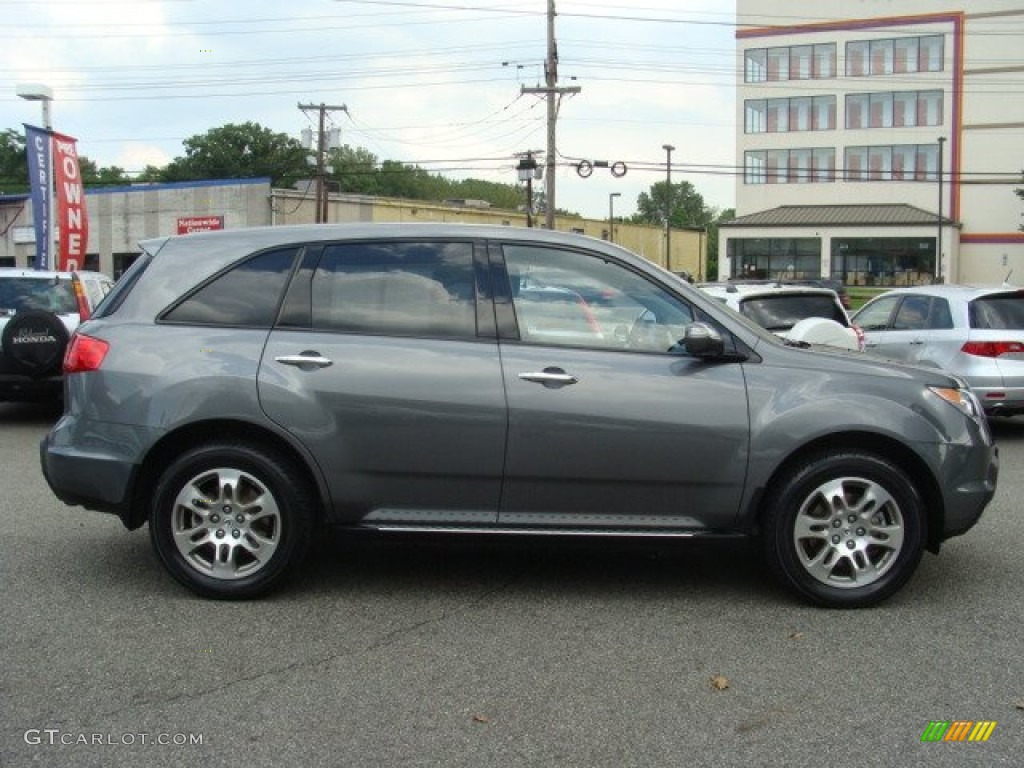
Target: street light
[(668, 204), (611, 215), (44, 94), (526, 170), (938, 242)]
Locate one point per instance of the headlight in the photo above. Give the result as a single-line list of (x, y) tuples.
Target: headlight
[(963, 399)]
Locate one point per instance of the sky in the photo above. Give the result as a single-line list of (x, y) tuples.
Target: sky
[(436, 83)]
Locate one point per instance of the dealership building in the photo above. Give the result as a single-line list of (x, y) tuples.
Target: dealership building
[(119, 217), (880, 142)]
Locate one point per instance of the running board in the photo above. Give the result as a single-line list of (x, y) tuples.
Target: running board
[(645, 533)]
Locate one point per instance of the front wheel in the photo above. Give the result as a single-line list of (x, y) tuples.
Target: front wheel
[(228, 521), (846, 531)]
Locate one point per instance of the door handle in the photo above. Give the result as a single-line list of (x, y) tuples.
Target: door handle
[(307, 361), (550, 377)]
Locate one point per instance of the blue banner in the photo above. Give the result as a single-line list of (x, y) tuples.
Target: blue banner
[(40, 176)]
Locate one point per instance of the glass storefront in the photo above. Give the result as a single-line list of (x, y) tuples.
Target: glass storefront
[(879, 261), (885, 261), (775, 257)]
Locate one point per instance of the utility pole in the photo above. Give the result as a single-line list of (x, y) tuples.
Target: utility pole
[(668, 205), (321, 151), (553, 94)]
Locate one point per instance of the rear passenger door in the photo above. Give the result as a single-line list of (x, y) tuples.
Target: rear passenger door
[(384, 364)]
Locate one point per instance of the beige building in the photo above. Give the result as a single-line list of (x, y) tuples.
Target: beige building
[(120, 217), (880, 142)]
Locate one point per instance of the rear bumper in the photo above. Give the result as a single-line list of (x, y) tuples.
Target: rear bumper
[(995, 400), (93, 466), (17, 388)]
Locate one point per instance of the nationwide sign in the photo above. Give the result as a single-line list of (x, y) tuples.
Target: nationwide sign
[(189, 224)]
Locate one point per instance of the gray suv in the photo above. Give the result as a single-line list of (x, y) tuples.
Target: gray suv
[(240, 388)]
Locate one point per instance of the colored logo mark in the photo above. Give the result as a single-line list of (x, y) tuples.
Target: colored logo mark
[(958, 730)]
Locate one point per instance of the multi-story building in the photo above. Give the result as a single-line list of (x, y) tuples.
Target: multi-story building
[(880, 141)]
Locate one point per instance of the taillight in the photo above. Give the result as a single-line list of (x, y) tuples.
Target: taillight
[(83, 302), (993, 348), (84, 354)]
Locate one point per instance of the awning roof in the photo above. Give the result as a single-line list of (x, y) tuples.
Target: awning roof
[(839, 215)]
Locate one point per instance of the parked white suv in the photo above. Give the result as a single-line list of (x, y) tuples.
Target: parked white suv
[(39, 310), (793, 312)]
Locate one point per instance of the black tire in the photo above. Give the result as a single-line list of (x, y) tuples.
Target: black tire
[(242, 516), (34, 342), (847, 530)]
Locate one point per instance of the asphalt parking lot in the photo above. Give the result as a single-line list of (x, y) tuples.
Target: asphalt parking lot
[(483, 653)]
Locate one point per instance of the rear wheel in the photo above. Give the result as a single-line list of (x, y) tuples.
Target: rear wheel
[(230, 520), (847, 530)]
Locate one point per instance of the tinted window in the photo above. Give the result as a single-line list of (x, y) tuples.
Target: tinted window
[(566, 298), (1003, 311), (18, 294), (406, 289), (780, 313), (248, 294), (912, 314), (940, 318)]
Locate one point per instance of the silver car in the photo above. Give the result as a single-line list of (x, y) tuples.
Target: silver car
[(975, 332), (240, 389)]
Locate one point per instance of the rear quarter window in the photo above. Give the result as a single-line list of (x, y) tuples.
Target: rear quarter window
[(248, 294)]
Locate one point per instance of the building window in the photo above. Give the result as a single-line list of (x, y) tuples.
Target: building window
[(930, 57), (905, 55), (824, 164), (801, 62), (857, 58), (778, 64), (790, 166), (801, 66), (824, 61), (809, 113), (905, 162), (755, 67), (894, 56), (894, 110), (770, 257), (753, 168), (889, 261), (755, 116)]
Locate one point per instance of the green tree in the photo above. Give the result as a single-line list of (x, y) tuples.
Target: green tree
[(13, 162), (355, 169), (237, 151), (1020, 193), (687, 206), (93, 175)]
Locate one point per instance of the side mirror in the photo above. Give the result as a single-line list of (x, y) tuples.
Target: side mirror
[(701, 340)]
